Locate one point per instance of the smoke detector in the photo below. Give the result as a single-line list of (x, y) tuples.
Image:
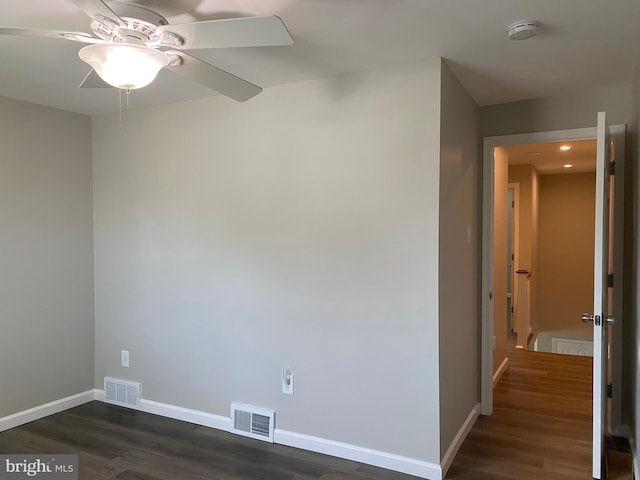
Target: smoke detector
[(523, 30)]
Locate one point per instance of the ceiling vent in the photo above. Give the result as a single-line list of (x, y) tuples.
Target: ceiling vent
[(122, 392), (252, 422), (523, 29)]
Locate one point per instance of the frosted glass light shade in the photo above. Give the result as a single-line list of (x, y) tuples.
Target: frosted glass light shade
[(124, 66)]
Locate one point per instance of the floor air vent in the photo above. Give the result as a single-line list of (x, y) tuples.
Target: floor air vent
[(122, 392), (252, 422)]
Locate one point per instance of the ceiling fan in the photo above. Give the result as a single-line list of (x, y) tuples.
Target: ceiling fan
[(131, 43)]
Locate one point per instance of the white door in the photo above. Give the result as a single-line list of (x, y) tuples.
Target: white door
[(601, 299)]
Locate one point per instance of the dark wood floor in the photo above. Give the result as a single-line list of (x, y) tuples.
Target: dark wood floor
[(119, 443), (540, 429), (541, 425)]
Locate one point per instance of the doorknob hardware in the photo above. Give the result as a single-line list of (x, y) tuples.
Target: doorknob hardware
[(586, 318)]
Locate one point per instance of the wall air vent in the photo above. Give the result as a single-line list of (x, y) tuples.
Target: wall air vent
[(252, 422), (122, 392)]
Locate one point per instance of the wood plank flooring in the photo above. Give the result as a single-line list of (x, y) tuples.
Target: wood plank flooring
[(541, 425), (124, 444), (540, 429)]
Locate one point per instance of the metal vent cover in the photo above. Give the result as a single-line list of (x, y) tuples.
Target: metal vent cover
[(122, 392), (252, 422)]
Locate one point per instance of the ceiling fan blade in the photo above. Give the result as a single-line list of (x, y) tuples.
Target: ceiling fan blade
[(36, 32), (93, 80), (98, 10), (213, 77), (233, 32)]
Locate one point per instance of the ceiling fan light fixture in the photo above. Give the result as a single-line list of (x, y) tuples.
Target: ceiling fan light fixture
[(126, 66)]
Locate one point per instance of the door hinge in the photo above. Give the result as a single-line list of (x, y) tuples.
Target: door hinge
[(610, 280), (609, 390), (612, 168), (513, 204)]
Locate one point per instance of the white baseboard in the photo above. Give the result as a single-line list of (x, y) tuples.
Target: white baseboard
[(389, 461), (500, 371), (636, 463), (451, 452), (297, 440), (35, 413), (368, 456), (623, 431), (178, 413)]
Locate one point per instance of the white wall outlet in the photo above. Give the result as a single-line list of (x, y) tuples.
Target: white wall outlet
[(124, 358), (287, 382)]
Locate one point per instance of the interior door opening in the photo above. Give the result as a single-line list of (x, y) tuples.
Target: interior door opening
[(494, 206), (550, 224)]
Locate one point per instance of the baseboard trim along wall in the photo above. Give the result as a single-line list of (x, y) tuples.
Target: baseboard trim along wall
[(398, 463), (376, 458), (451, 452), (35, 413), (177, 413), (500, 371), (636, 463)]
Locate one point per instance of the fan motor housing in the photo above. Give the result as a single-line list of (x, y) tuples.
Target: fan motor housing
[(141, 21)]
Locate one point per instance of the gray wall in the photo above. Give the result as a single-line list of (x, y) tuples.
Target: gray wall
[(298, 230), (459, 270), (557, 113), (567, 223), (46, 286)]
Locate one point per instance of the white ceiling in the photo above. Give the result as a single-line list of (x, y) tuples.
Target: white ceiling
[(584, 44), (549, 159)]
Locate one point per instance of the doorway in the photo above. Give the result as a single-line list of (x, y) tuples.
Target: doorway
[(494, 359), (553, 275)]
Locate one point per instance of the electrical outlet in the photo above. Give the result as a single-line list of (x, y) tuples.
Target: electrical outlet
[(124, 358), (287, 382)]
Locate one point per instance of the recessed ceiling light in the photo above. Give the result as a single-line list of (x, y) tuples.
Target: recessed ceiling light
[(523, 29), (564, 148), (567, 165)]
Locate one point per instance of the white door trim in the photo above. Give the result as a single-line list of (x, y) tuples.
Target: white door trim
[(489, 144)]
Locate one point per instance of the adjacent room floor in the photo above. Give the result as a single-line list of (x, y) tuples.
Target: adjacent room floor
[(541, 425)]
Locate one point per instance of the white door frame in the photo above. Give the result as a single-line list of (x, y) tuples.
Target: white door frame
[(489, 144)]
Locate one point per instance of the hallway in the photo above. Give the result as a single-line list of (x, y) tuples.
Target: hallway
[(541, 423)]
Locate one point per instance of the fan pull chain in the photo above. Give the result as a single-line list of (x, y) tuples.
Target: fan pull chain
[(128, 92)]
